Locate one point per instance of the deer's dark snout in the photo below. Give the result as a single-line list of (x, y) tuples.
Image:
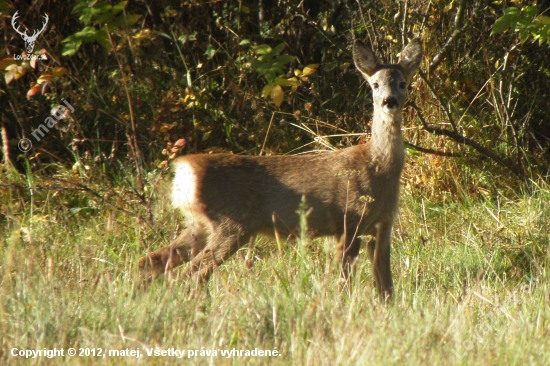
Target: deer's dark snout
[(390, 102)]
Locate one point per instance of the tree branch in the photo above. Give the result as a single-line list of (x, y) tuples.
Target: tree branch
[(468, 142), (431, 151)]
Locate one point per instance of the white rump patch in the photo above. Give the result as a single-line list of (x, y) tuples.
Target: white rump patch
[(183, 187)]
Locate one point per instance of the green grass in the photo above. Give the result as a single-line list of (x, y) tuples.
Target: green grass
[(472, 287)]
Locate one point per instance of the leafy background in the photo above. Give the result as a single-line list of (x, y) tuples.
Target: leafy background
[(222, 74)]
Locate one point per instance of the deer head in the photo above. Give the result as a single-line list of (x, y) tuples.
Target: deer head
[(29, 40)]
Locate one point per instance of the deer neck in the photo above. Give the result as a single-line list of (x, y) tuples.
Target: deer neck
[(387, 141)]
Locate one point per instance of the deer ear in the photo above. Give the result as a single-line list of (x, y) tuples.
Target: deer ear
[(411, 56), (365, 60)]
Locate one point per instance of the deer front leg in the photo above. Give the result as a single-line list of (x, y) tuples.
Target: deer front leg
[(181, 250), (379, 255)]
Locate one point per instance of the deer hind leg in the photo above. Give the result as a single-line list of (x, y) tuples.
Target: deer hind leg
[(181, 250), (222, 243), (379, 255), (349, 247)]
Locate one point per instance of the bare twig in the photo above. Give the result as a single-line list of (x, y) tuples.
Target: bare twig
[(319, 29), (267, 133), (458, 29), (132, 140), (440, 100)]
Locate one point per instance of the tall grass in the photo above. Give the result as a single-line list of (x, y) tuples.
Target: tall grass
[(471, 277)]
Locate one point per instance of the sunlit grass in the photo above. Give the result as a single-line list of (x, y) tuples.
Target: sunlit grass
[(472, 287)]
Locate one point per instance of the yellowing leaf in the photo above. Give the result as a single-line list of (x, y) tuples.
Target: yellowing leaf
[(143, 34), (344, 66), (58, 71), (7, 62), (288, 82), (298, 72), (20, 72), (44, 78), (9, 76), (38, 218), (267, 90), (171, 12), (278, 95), (310, 69), (14, 72), (542, 19), (165, 128), (34, 62), (448, 7), (33, 91)]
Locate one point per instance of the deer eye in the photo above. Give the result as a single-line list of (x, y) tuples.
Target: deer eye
[(375, 85), (403, 85)]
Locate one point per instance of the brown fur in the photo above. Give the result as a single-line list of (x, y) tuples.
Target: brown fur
[(228, 199)]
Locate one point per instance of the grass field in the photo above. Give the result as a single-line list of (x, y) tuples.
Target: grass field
[(471, 276)]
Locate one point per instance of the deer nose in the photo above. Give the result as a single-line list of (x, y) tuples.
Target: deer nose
[(390, 102)]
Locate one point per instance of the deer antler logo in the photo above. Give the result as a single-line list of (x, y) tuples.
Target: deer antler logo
[(29, 40)]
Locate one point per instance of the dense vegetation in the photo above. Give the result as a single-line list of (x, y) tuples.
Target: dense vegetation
[(141, 82)]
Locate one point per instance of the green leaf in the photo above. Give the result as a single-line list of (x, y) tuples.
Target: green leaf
[(187, 37), (285, 59), (210, 51), (267, 58), (103, 17), (228, 128), (79, 7), (523, 35), (278, 49), (504, 23), (127, 20), (86, 16), (101, 7), (103, 38), (71, 47), (530, 11), (119, 7), (512, 10), (262, 49), (87, 34)]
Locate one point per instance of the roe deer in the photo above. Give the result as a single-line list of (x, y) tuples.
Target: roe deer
[(228, 199)]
